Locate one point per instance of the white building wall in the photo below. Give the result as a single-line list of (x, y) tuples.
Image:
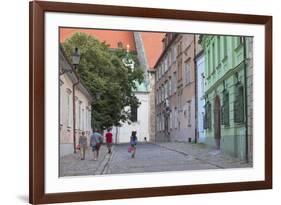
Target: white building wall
[(66, 125), (200, 65), (122, 134)]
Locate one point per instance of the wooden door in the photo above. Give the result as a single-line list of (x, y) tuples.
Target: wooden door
[(217, 122)]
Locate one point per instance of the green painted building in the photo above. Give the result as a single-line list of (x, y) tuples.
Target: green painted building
[(228, 94)]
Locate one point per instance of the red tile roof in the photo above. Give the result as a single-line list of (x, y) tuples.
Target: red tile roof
[(152, 41), (153, 46)]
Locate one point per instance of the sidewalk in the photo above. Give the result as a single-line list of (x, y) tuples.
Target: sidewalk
[(207, 155), (72, 165)]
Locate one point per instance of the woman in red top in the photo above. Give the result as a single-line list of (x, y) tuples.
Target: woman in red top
[(108, 138)]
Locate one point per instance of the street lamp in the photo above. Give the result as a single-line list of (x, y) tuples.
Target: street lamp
[(75, 61), (76, 57)]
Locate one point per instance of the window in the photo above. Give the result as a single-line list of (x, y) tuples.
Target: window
[(187, 73), (239, 104), (179, 69), (68, 108), (219, 49), (180, 100), (120, 45), (156, 97), (225, 46), (209, 62), (83, 119), (166, 90), (179, 48), (176, 118), (157, 123), (202, 84), (174, 82), (174, 53), (134, 113), (76, 113), (162, 93), (80, 115), (170, 86), (189, 114), (62, 97), (162, 122), (86, 119), (159, 95), (170, 58), (171, 121), (166, 63)]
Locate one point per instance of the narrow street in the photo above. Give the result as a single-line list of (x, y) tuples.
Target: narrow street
[(149, 158)]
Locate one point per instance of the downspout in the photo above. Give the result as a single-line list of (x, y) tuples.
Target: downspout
[(195, 88), (246, 101), (74, 113)]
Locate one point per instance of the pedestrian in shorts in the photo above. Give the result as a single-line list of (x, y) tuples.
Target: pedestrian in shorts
[(96, 140)]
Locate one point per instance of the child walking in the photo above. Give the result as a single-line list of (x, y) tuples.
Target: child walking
[(133, 142)]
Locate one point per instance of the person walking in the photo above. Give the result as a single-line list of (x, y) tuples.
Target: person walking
[(108, 139), (82, 145), (133, 143), (96, 140)]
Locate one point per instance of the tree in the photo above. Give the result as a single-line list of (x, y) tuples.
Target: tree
[(101, 69)]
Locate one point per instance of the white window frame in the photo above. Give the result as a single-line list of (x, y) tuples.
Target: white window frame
[(68, 107), (77, 112), (174, 82), (187, 73), (80, 115)]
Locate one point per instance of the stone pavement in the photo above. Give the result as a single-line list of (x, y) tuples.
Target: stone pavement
[(151, 158), (72, 165), (161, 157), (205, 154)]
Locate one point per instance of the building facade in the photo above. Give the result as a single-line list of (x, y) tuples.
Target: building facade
[(228, 94), (175, 89), (200, 95), (75, 107)]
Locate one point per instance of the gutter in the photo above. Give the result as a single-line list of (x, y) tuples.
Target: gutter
[(74, 113), (195, 88), (246, 102)]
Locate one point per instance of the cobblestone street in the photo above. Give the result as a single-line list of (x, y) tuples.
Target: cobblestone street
[(149, 158)]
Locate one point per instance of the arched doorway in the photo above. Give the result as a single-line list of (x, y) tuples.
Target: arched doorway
[(217, 122)]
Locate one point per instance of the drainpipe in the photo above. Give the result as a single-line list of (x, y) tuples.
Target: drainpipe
[(74, 113), (246, 101), (195, 88)]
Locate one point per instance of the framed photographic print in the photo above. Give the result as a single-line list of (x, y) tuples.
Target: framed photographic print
[(132, 102)]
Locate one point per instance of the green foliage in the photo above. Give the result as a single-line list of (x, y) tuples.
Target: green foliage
[(101, 69)]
